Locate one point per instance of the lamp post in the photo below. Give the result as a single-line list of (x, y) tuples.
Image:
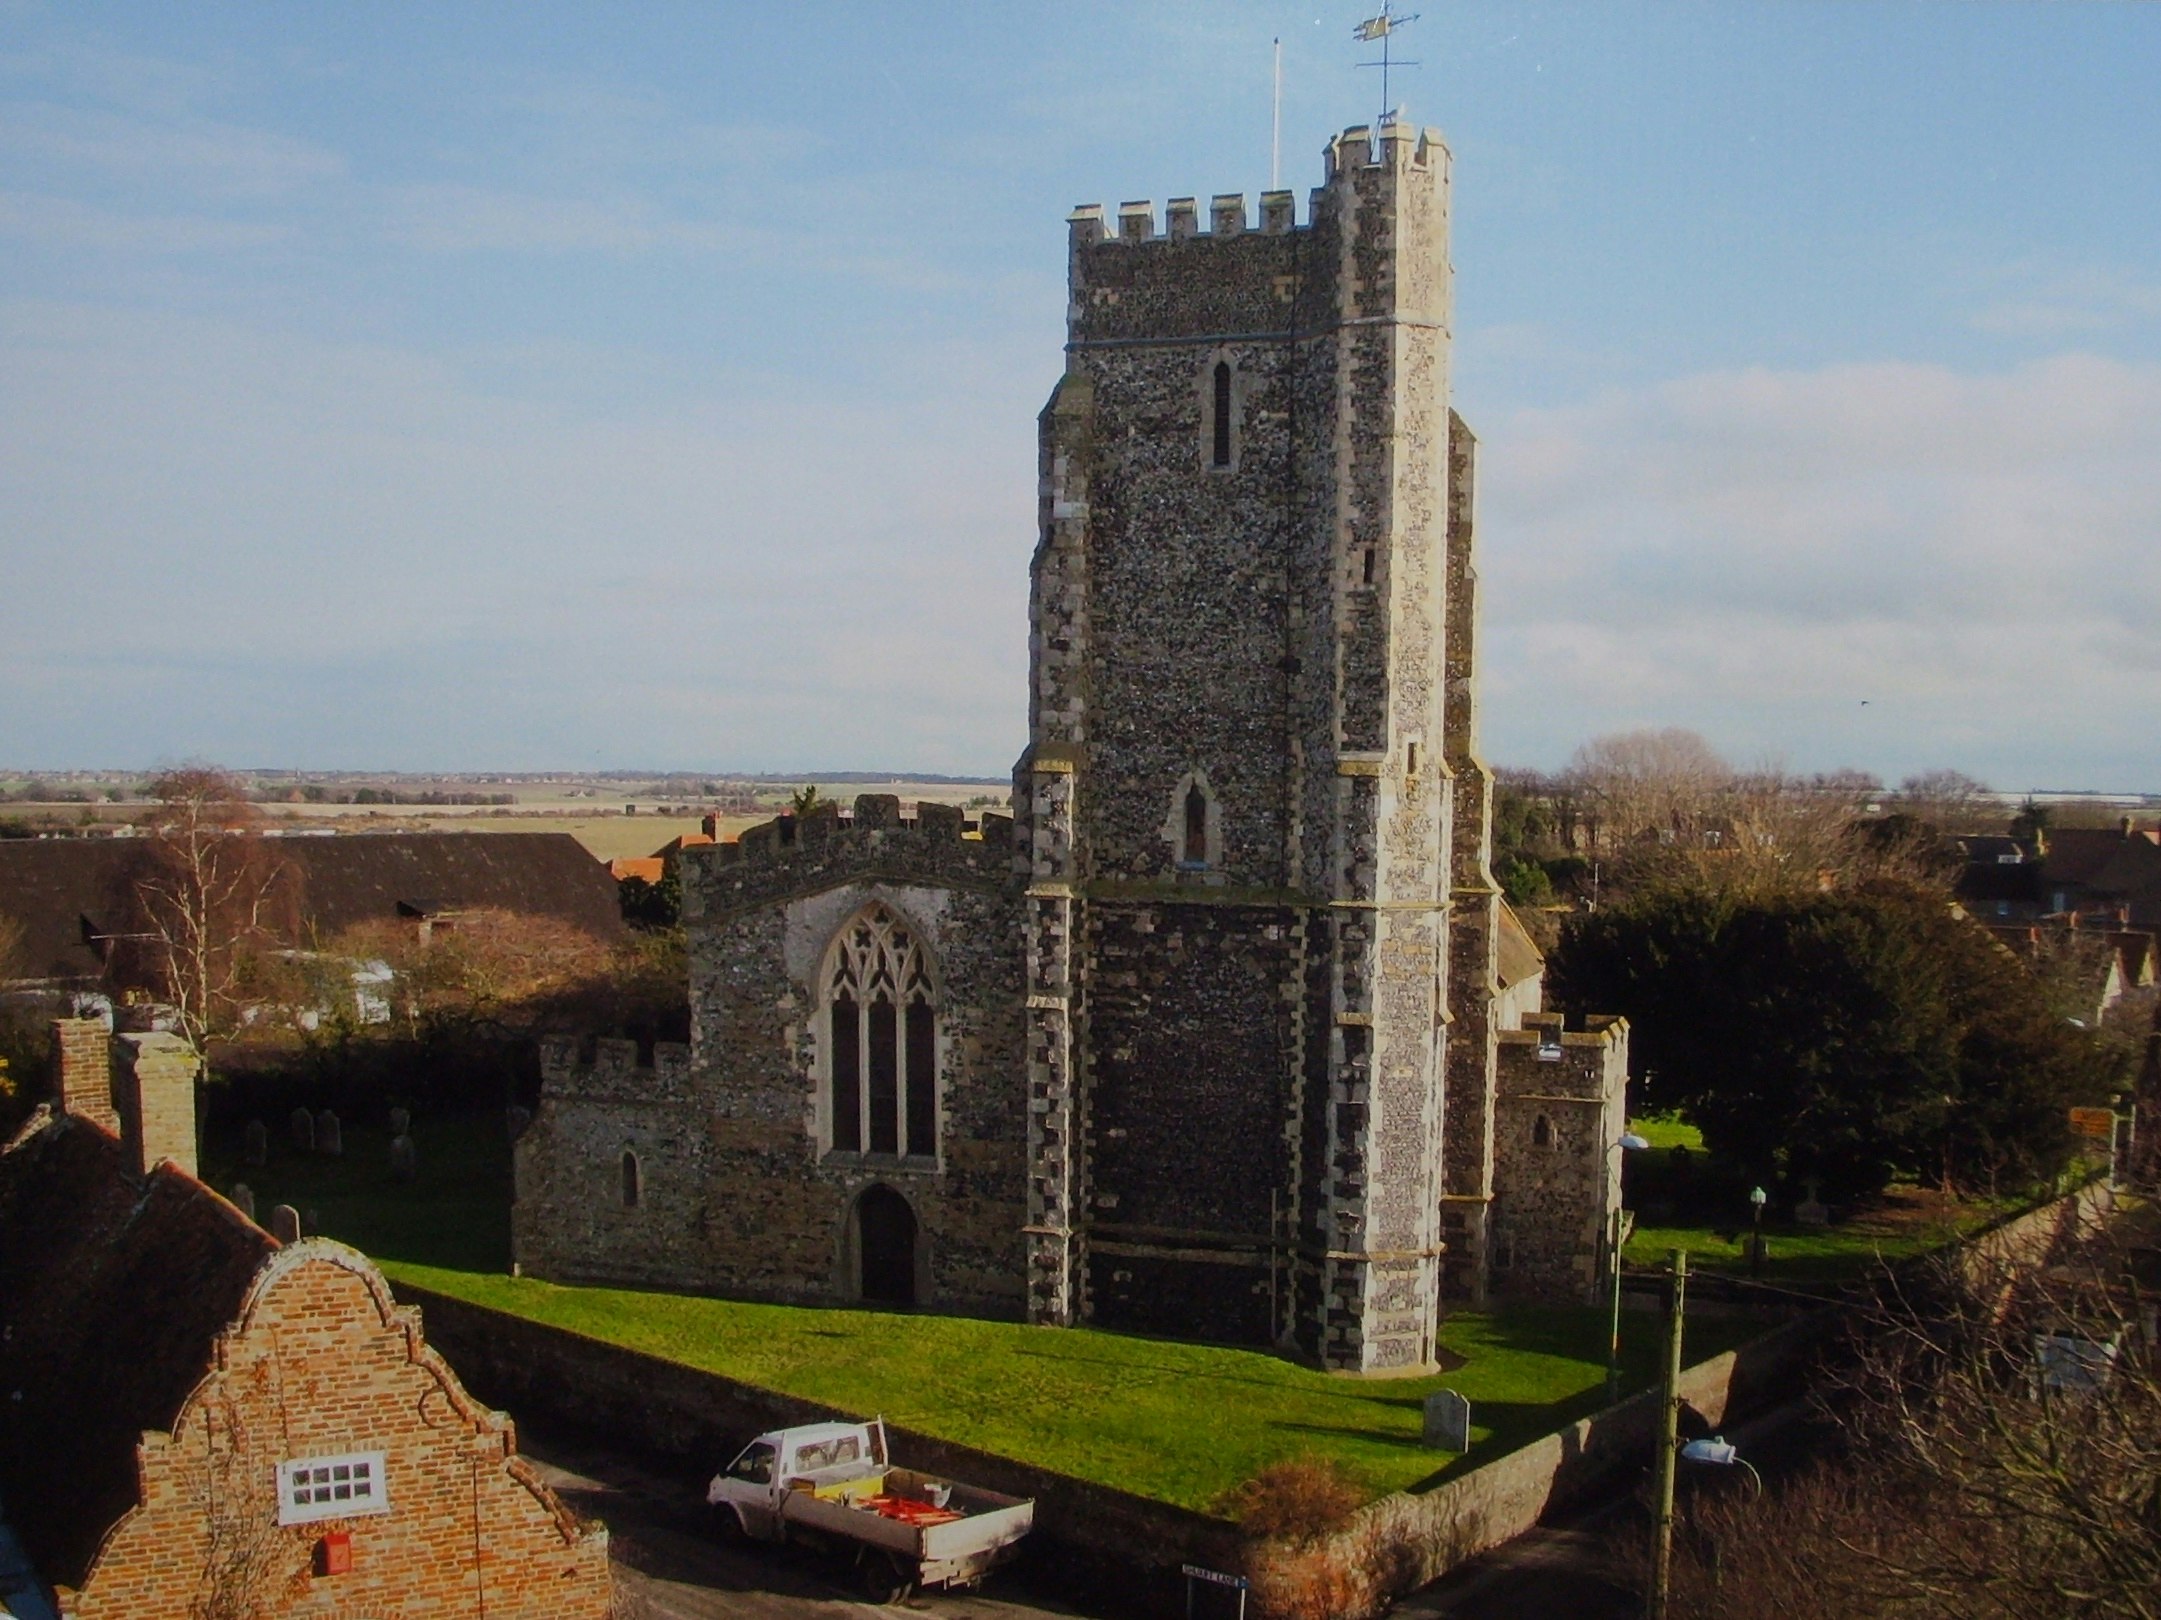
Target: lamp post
[(1629, 1141), (1669, 1441), (1757, 1198)]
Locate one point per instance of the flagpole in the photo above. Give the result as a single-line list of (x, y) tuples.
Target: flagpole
[(1275, 126)]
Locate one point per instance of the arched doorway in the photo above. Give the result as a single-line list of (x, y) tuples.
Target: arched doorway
[(885, 1247)]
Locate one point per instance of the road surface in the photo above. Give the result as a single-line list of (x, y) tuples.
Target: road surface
[(670, 1566)]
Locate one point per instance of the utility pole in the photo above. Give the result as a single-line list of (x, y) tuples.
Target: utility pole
[(1669, 1444)]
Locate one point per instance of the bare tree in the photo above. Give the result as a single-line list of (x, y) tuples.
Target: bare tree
[(2003, 1426), (1640, 786), (1950, 801), (206, 900)]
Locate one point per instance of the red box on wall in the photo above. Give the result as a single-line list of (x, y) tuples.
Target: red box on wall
[(334, 1554)]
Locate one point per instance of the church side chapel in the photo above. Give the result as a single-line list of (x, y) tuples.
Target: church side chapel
[(1227, 1034)]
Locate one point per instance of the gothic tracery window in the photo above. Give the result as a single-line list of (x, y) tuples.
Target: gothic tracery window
[(881, 1039)]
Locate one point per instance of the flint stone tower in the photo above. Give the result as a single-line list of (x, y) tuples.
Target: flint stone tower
[(1239, 799), (1218, 1036)]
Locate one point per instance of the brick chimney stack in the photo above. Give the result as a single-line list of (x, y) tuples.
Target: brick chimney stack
[(154, 1090), (711, 824), (141, 1087), (83, 1052)]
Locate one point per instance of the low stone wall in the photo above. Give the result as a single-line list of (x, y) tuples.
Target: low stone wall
[(1405, 1540), (1093, 1538), (1088, 1537)]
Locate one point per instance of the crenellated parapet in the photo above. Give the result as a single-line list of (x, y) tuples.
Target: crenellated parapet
[(792, 856), (614, 1073)]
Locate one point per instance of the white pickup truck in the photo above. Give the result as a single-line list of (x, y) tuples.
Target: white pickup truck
[(834, 1482)]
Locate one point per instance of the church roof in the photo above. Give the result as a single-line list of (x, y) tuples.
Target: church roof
[(1517, 958)]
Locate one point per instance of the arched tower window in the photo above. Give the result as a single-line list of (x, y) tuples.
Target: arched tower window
[(1541, 1132), (1196, 840), (1193, 826), (1220, 417), (881, 1039), (633, 1184)]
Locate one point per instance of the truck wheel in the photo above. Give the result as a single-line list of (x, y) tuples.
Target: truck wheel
[(887, 1580)]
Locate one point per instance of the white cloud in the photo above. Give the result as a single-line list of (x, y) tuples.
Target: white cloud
[(1888, 565), (66, 224)]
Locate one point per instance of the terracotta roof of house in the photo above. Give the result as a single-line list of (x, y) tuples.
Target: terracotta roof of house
[(1516, 958), (65, 890), (646, 868), (113, 1291)]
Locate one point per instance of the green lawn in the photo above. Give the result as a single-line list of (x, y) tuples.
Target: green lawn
[(1817, 1254), (1181, 1422), (1668, 1131)]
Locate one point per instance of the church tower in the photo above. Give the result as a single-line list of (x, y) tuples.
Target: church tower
[(1247, 766)]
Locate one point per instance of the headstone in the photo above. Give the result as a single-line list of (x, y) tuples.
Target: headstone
[(329, 1134), (401, 1121), (1810, 1211), (1448, 1421), (244, 1199), (257, 1137), (516, 1119), (404, 1162), (303, 1130), (285, 1224)]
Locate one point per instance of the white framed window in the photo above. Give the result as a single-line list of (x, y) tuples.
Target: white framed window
[(342, 1487)]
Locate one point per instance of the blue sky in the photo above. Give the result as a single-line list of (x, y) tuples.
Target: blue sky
[(526, 386)]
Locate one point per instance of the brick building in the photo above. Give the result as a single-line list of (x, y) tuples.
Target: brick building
[(1206, 1042), (203, 1421)]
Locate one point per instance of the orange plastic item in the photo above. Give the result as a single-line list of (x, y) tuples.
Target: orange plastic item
[(909, 1511)]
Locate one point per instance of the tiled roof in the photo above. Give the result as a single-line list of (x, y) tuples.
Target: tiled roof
[(59, 889), (1517, 958), (112, 1293)]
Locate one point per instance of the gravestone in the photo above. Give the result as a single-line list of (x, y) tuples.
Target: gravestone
[(303, 1130), (401, 1121), (404, 1161), (285, 1224), (1448, 1421), (515, 1119), (257, 1137), (1810, 1211), (244, 1199), (329, 1134)]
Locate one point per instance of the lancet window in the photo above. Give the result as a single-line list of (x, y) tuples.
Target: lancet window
[(881, 1040)]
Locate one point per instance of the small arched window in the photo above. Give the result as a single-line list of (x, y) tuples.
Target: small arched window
[(1195, 848), (1542, 1132), (633, 1187), (1220, 455)]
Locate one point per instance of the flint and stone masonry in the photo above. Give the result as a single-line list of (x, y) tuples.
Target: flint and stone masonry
[(1203, 1042)]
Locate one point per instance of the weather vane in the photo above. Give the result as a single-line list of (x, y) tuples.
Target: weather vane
[(1383, 28)]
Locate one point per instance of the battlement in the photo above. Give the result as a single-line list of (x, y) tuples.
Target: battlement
[(793, 854), (1355, 149), (613, 1073), (1550, 1029)]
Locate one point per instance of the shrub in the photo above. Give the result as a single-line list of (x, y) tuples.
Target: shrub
[(1300, 1500)]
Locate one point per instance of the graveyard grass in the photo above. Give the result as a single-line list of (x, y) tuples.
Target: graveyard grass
[(1179, 1422)]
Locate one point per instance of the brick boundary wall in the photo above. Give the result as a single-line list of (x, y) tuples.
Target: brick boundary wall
[(1098, 1539)]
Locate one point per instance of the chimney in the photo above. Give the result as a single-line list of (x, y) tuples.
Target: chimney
[(82, 1053), (711, 826), (2128, 825), (153, 1088)]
